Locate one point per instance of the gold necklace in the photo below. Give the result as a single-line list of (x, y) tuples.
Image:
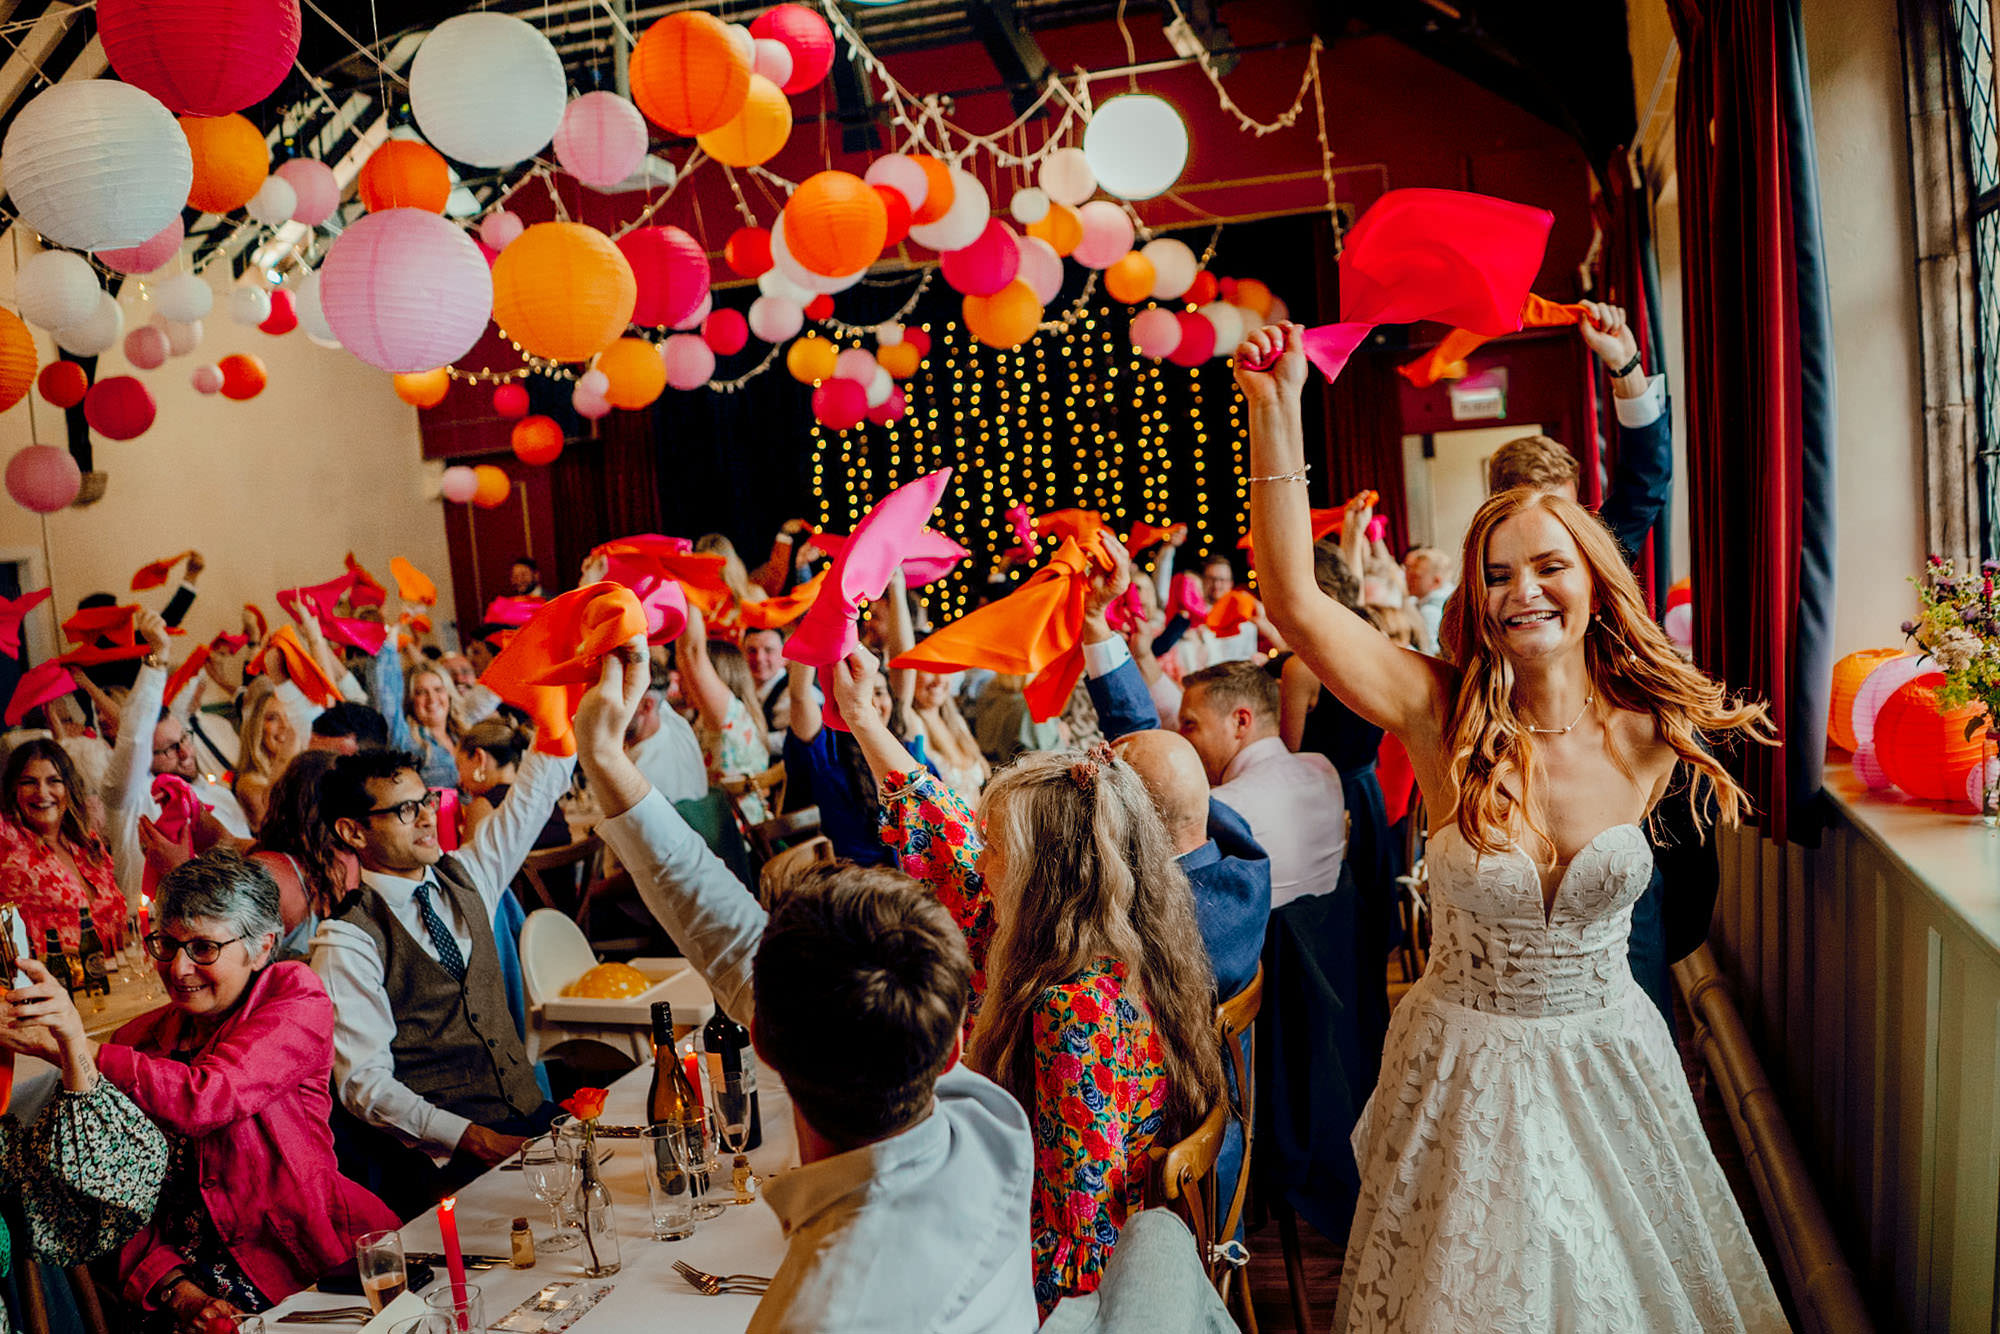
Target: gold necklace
[(1565, 731)]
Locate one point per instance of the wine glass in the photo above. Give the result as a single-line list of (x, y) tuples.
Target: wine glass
[(699, 1142), (378, 1260), (550, 1167), (730, 1111)]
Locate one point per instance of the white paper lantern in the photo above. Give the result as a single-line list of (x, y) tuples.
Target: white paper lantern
[(775, 318), (183, 337), (1137, 145), (744, 41), (183, 298), (963, 221), (1174, 267), (888, 335), (487, 89), (97, 332), (312, 316), (773, 282), (275, 202), (1228, 322), (1041, 268), (900, 173), (97, 164), (1029, 205), (249, 305), (595, 382), (56, 288), (773, 61), (1066, 177), (879, 386)]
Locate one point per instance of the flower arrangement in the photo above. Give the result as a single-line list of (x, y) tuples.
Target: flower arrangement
[(1959, 627), (593, 1201)]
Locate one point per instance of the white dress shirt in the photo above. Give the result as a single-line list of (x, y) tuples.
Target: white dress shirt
[(671, 759), (1295, 808), (128, 790), (344, 956)]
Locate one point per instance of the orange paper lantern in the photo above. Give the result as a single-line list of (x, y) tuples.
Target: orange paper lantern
[(811, 359), (899, 359), (1922, 746), (231, 160), (563, 291), (1848, 674), (1060, 227), (17, 360), (537, 440), (243, 376), (755, 133), (423, 389), (937, 199), (403, 173), (63, 383), (835, 224), (493, 486), (1008, 318), (687, 75), (1130, 279), (636, 373), (1254, 295)]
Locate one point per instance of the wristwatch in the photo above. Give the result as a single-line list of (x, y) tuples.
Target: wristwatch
[(1628, 367)]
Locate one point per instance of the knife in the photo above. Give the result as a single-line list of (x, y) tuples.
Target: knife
[(436, 1260)]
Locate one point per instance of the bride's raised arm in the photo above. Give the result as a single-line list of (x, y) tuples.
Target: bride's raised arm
[(1390, 686)]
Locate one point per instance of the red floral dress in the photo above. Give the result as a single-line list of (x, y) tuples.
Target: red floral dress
[(34, 879), (1100, 1082)]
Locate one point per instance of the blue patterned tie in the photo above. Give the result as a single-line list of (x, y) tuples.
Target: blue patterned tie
[(447, 948)]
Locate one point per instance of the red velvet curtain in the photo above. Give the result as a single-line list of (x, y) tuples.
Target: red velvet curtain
[(1759, 383), (1631, 281)]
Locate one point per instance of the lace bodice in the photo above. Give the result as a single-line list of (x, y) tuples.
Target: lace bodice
[(1493, 950)]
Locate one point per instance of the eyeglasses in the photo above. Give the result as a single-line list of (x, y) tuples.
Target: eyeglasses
[(186, 742), (164, 948), (406, 811)]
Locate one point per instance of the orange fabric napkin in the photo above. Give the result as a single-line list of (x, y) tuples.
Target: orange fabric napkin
[(412, 584), (155, 575), (257, 615), (1436, 364), (12, 612), (105, 634), (367, 590), (1231, 611), (186, 671), (774, 612), (302, 667), (554, 659), (1146, 534), (1081, 526)]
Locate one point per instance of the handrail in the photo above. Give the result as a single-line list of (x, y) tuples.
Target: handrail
[(1822, 1285)]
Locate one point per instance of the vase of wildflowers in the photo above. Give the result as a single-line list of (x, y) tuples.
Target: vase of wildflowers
[(1959, 627)]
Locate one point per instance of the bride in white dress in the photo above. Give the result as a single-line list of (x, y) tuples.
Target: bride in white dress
[(1531, 1159)]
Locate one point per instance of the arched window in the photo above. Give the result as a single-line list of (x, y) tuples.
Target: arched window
[(1973, 28)]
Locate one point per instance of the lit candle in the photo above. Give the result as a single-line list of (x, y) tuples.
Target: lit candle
[(454, 1259), (693, 1064)]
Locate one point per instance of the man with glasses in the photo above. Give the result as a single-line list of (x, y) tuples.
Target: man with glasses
[(425, 1043), (174, 753)]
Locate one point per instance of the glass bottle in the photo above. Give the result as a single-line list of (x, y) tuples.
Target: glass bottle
[(592, 1208)]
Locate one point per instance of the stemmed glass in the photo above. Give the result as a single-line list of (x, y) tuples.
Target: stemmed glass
[(549, 1164), (731, 1114)]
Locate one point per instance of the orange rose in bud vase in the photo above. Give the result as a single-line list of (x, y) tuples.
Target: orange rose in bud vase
[(586, 1104)]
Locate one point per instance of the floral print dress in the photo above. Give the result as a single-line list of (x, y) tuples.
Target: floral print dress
[(1100, 1081), (34, 878)]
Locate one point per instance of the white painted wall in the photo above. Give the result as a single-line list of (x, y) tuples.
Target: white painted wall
[(273, 492)]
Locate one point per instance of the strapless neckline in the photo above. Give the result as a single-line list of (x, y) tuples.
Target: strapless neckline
[(1577, 858)]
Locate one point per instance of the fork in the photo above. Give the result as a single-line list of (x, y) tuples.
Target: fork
[(336, 1315), (714, 1285)]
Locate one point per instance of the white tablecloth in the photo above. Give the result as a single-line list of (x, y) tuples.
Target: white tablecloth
[(647, 1294)]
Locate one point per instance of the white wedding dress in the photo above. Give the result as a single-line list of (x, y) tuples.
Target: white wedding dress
[(1531, 1159)]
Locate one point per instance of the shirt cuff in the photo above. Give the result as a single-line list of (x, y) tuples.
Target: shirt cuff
[(1643, 411), (443, 1130), (1105, 657)]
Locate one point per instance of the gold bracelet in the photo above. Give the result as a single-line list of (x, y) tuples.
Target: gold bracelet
[(1298, 476)]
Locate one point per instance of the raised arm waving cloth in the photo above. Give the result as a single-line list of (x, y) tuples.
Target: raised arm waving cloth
[(1439, 363), (412, 584), (661, 596), (555, 658), (105, 634), (1146, 534), (155, 574), (38, 685), (12, 612), (322, 599), (301, 666), (367, 590)]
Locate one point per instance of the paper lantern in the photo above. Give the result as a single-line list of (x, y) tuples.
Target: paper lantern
[(908, 177), (834, 224), (43, 478), (985, 266), (748, 251), (1060, 228), (1678, 623), (201, 57), (500, 229), (147, 255), (897, 209), (183, 336), (687, 75), (274, 203), (1174, 267), (1197, 341), (774, 319), (146, 347), (1107, 234), (756, 132), (231, 161), (1066, 176), (1040, 268), (458, 484), (1203, 289), (588, 405), (633, 373), (315, 185), (879, 386), (1136, 145), (1255, 297), (687, 360), (249, 305), (97, 332), (1008, 318), (493, 486), (96, 164), (284, 316), (602, 139), (423, 389), (746, 45), (206, 379), (243, 376), (839, 404), (403, 173), (1155, 333), (312, 315), (404, 290), (899, 359), (1868, 767), (811, 359), (119, 408), (1848, 675), (17, 359), (670, 269), (889, 333), (1885, 680), (537, 440), (962, 222), (891, 408), (487, 89), (918, 339), (856, 364), (1228, 322), (693, 319), (56, 288), (594, 382), (1922, 745), (772, 60), (820, 307), (63, 384), (1029, 204), (510, 400), (803, 33), (725, 331), (774, 282), (940, 191), (1980, 779), (1130, 279), (185, 298)]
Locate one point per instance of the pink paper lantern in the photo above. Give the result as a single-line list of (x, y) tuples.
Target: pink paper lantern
[(1868, 768), (774, 319), (725, 331), (985, 266), (201, 57), (589, 405), (856, 364), (146, 347), (1107, 235), (206, 379), (284, 316), (1197, 340), (405, 290), (459, 485), (1876, 688), (890, 409), (672, 272), (1155, 333), (1041, 267), (510, 400), (43, 478), (698, 316), (805, 35), (148, 255), (839, 403), (499, 229), (602, 139), (689, 361), (317, 188), (119, 408)]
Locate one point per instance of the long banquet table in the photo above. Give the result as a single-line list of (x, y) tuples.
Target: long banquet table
[(646, 1293)]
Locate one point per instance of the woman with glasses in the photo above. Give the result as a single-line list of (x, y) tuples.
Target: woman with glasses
[(52, 862), (236, 1070)]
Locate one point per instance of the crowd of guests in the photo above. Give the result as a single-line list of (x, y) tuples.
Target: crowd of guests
[(992, 1009)]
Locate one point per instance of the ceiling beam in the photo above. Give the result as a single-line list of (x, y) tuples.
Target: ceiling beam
[(1012, 48)]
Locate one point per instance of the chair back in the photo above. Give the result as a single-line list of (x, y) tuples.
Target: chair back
[(767, 831), (1234, 1020), (558, 875), (1183, 1179), (787, 864), (554, 953)]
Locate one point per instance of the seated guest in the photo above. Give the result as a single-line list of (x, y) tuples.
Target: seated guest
[(524, 578), (459, 668), (1292, 801), (664, 747), (347, 727), (489, 757), (764, 655), (423, 725), (952, 750), (52, 862), (1003, 725), (311, 867), (426, 1047), (728, 720), (854, 990), (266, 744)]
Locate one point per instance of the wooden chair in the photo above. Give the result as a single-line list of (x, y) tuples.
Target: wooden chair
[(786, 865), (767, 832), (1234, 1021), (1183, 1179), (558, 875)]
